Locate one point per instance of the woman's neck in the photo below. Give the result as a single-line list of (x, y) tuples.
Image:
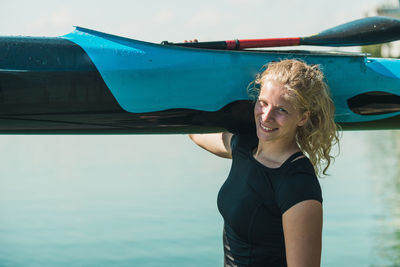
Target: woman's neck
[(274, 154)]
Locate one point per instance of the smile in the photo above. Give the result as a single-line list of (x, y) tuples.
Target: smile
[(267, 129)]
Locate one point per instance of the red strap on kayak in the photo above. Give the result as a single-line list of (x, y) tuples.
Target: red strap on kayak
[(251, 43)]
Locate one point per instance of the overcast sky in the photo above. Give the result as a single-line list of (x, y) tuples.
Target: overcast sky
[(159, 20)]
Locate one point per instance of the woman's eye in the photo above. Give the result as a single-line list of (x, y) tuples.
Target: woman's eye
[(282, 110), (262, 103)]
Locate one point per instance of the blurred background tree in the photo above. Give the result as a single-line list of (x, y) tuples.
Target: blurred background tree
[(374, 50)]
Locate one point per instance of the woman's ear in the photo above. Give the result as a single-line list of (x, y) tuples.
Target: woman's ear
[(304, 118)]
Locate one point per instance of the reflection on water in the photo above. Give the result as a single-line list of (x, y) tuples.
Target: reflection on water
[(384, 150)]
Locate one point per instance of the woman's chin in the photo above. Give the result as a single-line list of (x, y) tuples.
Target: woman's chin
[(264, 135)]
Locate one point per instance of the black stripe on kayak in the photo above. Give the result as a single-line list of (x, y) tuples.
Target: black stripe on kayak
[(49, 76), (392, 123), (235, 117)]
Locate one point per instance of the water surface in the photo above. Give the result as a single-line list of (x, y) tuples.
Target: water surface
[(151, 201)]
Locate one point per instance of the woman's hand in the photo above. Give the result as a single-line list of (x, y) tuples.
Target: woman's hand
[(191, 41)]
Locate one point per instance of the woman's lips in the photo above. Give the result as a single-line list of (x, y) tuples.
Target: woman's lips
[(267, 129)]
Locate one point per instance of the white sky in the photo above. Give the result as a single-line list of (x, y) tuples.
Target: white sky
[(175, 20)]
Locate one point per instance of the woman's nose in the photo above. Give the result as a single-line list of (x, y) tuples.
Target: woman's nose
[(267, 114)]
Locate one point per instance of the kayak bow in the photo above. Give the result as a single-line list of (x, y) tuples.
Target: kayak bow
[(93, 82)]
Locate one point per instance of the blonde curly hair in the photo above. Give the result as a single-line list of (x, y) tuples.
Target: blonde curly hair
[(307, 91)]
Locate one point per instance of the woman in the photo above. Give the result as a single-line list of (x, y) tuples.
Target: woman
[(271, 201)]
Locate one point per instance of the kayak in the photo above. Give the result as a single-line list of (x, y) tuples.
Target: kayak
[(90, 82)]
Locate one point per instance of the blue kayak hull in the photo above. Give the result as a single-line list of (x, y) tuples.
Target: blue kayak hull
[(92, 82)]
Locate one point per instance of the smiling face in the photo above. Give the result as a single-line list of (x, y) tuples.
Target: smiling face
[(275, 116)]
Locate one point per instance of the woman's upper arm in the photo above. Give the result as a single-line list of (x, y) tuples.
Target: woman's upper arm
[(302, 227), (216, 143)]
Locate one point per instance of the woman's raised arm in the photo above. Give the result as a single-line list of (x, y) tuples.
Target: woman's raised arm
[(216, 143)]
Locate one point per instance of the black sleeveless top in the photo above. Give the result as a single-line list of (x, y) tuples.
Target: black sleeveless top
[(253, 199)]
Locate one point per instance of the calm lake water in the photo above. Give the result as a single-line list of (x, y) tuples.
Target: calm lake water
[(151, 201)]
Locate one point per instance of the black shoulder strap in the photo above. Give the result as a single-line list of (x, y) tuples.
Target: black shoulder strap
[(292, 157)]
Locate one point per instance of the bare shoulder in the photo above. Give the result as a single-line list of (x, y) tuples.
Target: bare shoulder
[(216, 143)]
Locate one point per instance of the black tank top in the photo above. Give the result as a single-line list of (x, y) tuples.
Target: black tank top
[(253, 199)]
